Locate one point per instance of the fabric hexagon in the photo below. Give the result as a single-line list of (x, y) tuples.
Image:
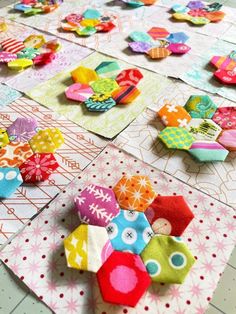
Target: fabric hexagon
[(204, 129), (84, 75), (96, 205), (208, 151), (177, 138), (123, 279), (125, 94), (87, 248), (228, 139), (134, 192), (167, 259), (172, 115), (47, 141), (129, 231), (225, 117), (158, 32), (79, 92), (34, 41), (38, 167), (169, 215), (22, 129), (104, 85), (108, 69), (4, 139), (10, 180), (14, 154), (200, 106), (129, 77)]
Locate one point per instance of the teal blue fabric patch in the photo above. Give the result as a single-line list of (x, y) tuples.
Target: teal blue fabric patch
[(129, 231), (8, 95), (10, 180)]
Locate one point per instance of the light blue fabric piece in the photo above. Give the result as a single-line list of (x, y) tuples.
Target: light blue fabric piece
[(179, 37), (140, 36), (129, 231), (8, 95), (91, 14), (178, 8), (10, 180)]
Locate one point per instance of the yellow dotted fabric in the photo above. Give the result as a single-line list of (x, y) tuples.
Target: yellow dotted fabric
[(76, 248), (4, 140), (47, 141)]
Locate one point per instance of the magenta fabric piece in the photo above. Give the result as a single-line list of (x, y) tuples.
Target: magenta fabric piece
[(138, 46), (225, 117), (96, 205), (22, 129)]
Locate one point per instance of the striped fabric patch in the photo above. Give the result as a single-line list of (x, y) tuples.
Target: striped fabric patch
[(224, 63), (12, 45), (125, 94), (158, 53)]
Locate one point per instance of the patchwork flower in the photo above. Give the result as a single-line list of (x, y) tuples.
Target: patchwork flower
[(37, 6), (34, 50), (226, 68), (88, 23), (125, 254), (197, 128), (105, 87), (24, 156), (198, 13), (158, 43)]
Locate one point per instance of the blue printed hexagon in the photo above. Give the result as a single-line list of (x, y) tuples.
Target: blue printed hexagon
[(130, 231), (10, 180)]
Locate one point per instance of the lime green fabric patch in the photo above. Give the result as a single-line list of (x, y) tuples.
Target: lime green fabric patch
[(175, 137), (167, 259)]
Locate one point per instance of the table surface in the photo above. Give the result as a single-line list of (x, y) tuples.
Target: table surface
[(16, 298)]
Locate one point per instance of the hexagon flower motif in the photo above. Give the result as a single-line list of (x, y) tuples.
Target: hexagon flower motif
[(225, 117), (10, 180), (200, 106), (169, 215), (176, 138), (134, 192), (34, 50), (208, 151), (158, 43), (204, 129), (22, 129), (129, 231), (105, 87), (123, 279), (89, 23), (37, 6), (197, 13), (96, 205), (87, 248), (38, 167), (167, 259)]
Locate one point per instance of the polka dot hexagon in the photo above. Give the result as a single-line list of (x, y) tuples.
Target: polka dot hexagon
[(18, 144), (114, 252), (167, 259)]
